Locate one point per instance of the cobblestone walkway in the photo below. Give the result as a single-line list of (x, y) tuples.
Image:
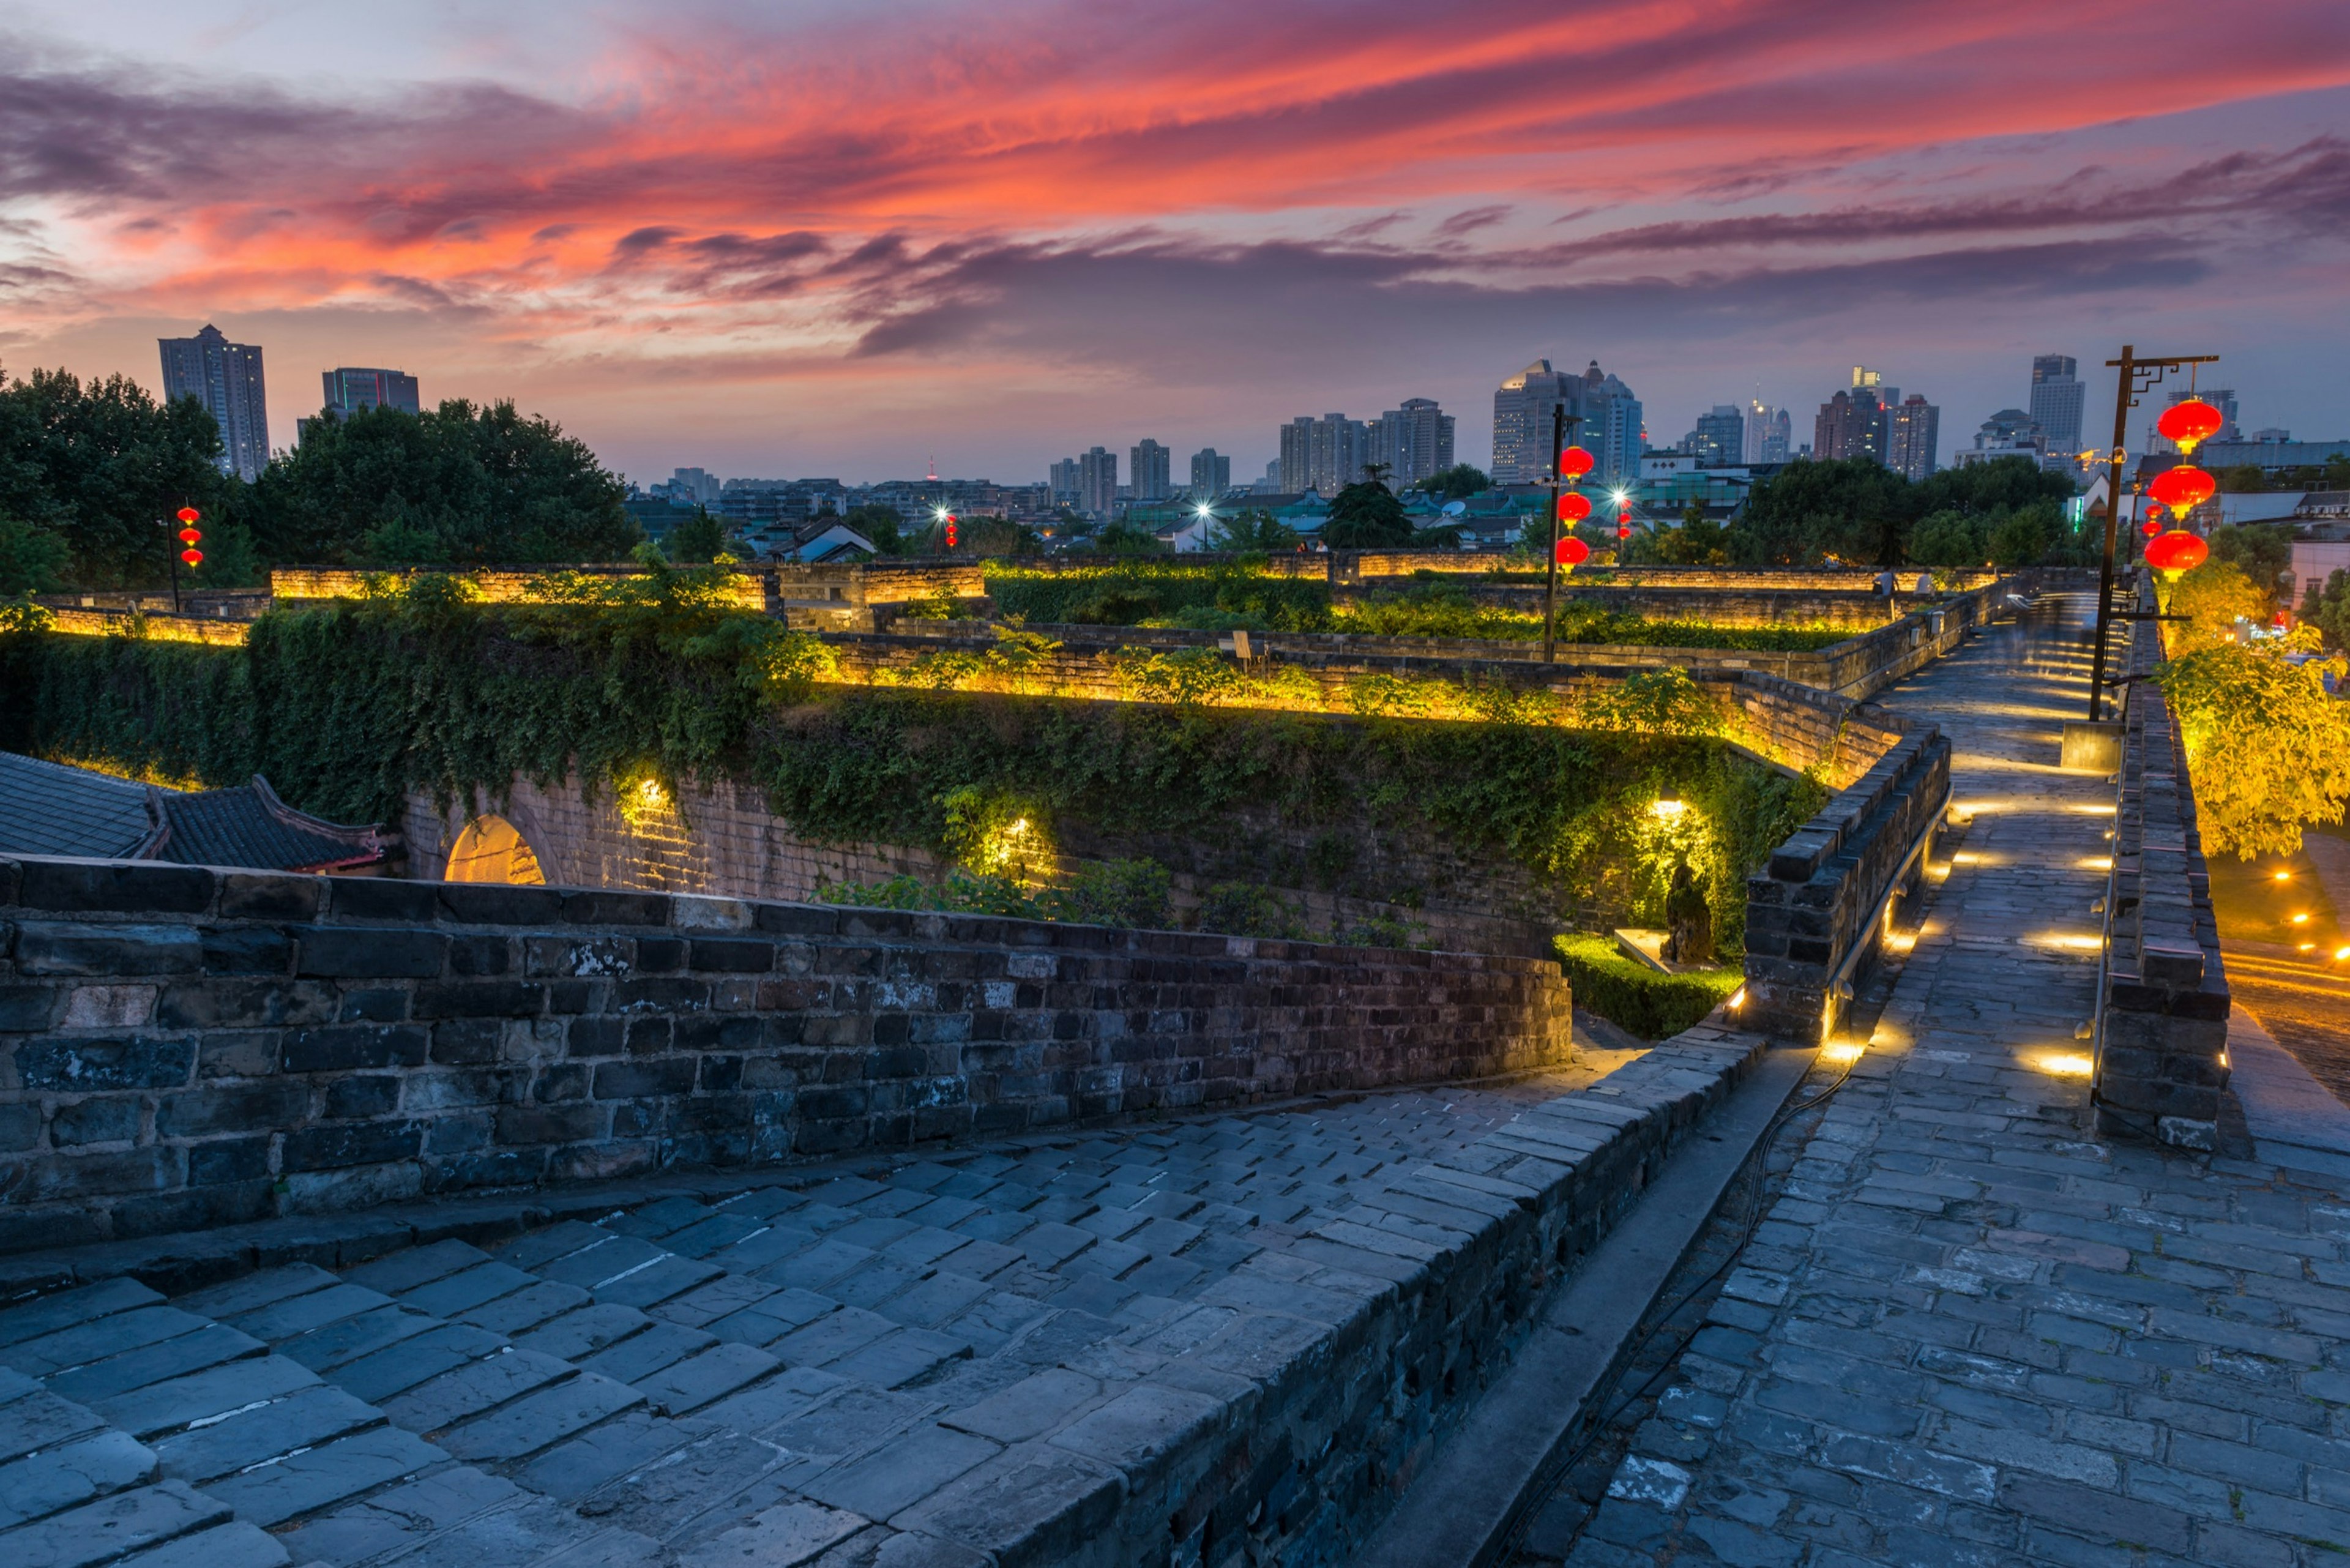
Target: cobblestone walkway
[(957, 1345), (1966, 1332)]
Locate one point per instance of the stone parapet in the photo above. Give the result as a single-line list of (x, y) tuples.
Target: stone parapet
[(2163, 1001), (186, 1046)]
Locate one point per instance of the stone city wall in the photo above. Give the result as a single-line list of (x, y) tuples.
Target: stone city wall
[(2163, 1004), (1811, 912), (183, 1046), (1748, 607)]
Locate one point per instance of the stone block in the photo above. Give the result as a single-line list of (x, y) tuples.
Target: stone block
[(733, 956), (474, 957), (482, 904), (270, 896), (68, 1065), (247, 949), (51, 948), (346, 1047), (345, 952), (331, 1148), (632, 1080), (602, 908), (365, 1095), (384, 898), (480, 999), (235, 1003), (116, 886), (27, 1008), (109, 1118)]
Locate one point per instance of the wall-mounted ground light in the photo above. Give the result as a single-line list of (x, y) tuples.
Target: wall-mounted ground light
[(1667, 809)]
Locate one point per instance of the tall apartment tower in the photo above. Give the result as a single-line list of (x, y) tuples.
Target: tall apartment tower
[(1152, 464), (2058, 400), (1414, 441), (1613, 430), (225, 378), (1062, 479), (1522, 409), (1325, 454), (1211, 474), (351, 388), (1098, 483), (1719, 438), (1768, 432), (1913, 433)]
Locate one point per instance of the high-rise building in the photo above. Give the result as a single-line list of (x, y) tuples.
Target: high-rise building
[(1852, 423), (1768, 432), (2058, 399), (225, 378), (1719, 438), (1152, 464), (1211, 474), (690, 487), (1098, 483), (1063, 479), (1325, 454), (1613, 430), (1414, 441), (351, 388), (2011, 433), (1522, 421), (1913, 437)]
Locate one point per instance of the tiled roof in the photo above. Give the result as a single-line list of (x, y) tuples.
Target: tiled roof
[(49, 809), (46, 808)]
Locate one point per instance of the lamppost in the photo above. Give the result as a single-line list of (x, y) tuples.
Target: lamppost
[(2138, 377), (1563, 457)]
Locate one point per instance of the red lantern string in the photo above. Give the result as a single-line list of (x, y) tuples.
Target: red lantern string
[(2189, 424), (1573, 508), (2177, 551), (1573, 552), (1575, 463)]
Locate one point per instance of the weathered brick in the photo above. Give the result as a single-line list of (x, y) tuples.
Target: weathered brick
[(232, 1108), (384, 898), (484, 904), (602, 908), (228, 1160), (112, 1118), (374, 1143), (27, 1008), (47, 948), (78, 1065), (480, 999), (341, 1048), (632, 1080), (267, 1003), (339, 952), (247, 949), (466, 1042), (270, 896), (476, 956), (116, 886), (368, 1095), (732, 957)]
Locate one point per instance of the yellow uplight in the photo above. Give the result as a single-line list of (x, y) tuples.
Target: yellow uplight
[(1667, 808), (2065, 1064), (2302, 919), (1842, 1051), (1738, 997), (649, 792), (2284, 876), (2341, 953), (2095, 863)]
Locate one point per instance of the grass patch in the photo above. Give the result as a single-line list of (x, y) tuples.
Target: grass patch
[(1632, 995)]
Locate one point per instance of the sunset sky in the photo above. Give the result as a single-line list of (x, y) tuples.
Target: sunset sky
[(845, 239)]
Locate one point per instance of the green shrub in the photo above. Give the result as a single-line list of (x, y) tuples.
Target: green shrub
[(1633, 996), (1113, 893), (1246, 909)]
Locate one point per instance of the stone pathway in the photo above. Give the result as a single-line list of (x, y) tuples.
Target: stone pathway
[(1966, 1331), (955, 1345)]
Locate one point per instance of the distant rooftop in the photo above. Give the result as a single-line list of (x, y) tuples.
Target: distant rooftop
[(49, 808)]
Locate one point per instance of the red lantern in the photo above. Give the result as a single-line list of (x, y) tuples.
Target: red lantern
[(2189, 424), (2182, 488), (192, 557), (1573, 508), (951, 533), (2177, 551), (1623, 528), (1572, 553), (190, 536), (188, 515), (1575, 463), (2153, 523)]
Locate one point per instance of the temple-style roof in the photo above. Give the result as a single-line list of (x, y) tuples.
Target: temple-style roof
[(46, 808)]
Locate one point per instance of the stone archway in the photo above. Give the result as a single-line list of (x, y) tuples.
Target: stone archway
[(491, 849)]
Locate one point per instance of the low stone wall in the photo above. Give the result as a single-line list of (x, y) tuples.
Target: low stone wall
[(2163, 996), (1359, 565), (1811, 913), (186, 1047), (216, 631), (1802, 609)]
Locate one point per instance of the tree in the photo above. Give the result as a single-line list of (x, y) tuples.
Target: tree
[(2269, 749), (883, 525), (2326, 608), (1125, 538), (1254, 529), (460, 484), (2263, 551), (2020, 538), (1366, 516), (1949, 538), (1458, 483), (2216, 595), (101, 466), (2243, 479), (32, 558), (699, 538), (1852, 510)]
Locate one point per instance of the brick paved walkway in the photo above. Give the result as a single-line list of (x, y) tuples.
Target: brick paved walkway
[(954, 1346), (1966, 1332)]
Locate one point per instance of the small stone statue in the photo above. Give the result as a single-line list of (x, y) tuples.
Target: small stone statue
[(1688, 923)]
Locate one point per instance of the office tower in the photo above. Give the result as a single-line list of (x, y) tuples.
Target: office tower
[(1098, 483), (351, 388), (1913, 437), (1853, 423), (2058, 399), (1211, 474), (1066, 484), (1719, 438), (1522, 410), (1612, 430), (1152, 467), (1325, 454), (1768, 432), (1414, 441), (225, 378)]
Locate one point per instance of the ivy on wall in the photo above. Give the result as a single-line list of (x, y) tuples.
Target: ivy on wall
[(349, 706)]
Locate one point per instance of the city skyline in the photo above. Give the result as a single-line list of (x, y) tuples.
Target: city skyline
[(829, 242)]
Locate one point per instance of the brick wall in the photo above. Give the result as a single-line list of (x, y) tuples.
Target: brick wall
[(1809, 608), (181, 1047), (2163, 1001)]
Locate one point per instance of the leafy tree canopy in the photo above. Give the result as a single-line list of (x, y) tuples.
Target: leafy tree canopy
[(2263, 551), (1254, 529), (2217, 594), (460, 484), (100, 465), (2269, 750), (882, 525), (1458, 483), (1366, 516), (1860, 513), (2325, 607), (697, 539)]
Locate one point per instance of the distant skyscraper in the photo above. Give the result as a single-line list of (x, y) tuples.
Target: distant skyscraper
[(1098, 483), (2221, 397), (1153, 479), (225, 378), (1913, 437), (1767, 433), (1719, 438), (1613, 430), (1065, 483), (1414, 441), (350, 389), (1325, 454), (1522, 410), (690, 486), (1211, 474), (1852, 423), (2057, 402)]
